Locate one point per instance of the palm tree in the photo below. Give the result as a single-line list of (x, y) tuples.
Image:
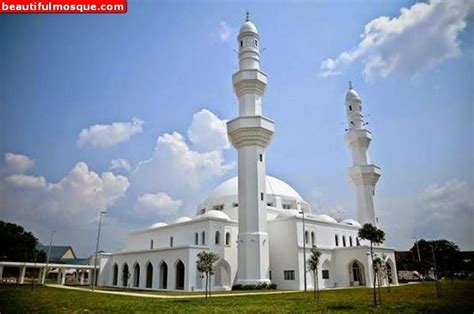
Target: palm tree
[(205, 264), (375, 236), (313, 262)]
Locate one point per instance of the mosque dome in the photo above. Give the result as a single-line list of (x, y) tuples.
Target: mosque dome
[(351, 222), (181, 220), (215, 214), (274, 186), (288, 213), (158, 224), (248, 26), (352, 95), (324, 218)]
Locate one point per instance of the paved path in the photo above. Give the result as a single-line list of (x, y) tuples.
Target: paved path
[(190, 296), (164, 296)]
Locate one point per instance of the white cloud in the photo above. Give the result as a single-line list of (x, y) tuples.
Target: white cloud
[(224, 31), (159, 203), (207, 132), (421, 37), (439, 211), (18, 163), (120, 164), (184, 170), (107, 135), (25, 181), (70, 206)]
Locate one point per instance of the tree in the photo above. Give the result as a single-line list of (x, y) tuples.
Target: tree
[(378, 272), (375, 236), (313, 263), (18, 245), (205, 265), (448, 256)]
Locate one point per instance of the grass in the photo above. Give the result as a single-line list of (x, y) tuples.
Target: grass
[(457, 298)]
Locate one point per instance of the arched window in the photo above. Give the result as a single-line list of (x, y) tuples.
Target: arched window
[(196, 238), (125, 275), (151, 244), (179, 275), (350, 108), (350, 241), (218, 237), (344, 241), (227, 238), (313, 240), (357, 241), (306, 236), (136, 275), (115, 277), (149, 275), (171, 241), (163, 275), (203, 238), (336, 239)]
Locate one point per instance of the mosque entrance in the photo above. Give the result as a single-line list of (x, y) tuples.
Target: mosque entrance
[(357, 274), (180, 276)]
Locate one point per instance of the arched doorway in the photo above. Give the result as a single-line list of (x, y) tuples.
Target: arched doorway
[(326, 275), (163, 275), (115, 275), (125, 275), (136, 275), (149, 275), (222, 276), (357, 274), (179, 275)]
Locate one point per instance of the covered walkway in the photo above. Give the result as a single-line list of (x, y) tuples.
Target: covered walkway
[(81, 273)]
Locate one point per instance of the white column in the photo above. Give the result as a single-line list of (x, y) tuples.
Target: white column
[(59, 276), (63, 277), (22, 274), (81, 274)]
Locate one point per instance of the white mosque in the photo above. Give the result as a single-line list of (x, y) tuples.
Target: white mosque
[(260, 227)]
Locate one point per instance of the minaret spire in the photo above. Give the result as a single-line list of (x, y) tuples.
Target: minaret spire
[(363, 175), (247, 16), (250, 134)]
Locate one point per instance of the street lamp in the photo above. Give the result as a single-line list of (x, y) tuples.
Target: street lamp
[(304, 251), (43, 279), (94, 279)]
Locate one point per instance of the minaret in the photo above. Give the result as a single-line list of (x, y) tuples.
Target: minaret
[(362, 174), (250, 134)]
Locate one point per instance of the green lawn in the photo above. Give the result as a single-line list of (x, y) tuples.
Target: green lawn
[(457, 297)]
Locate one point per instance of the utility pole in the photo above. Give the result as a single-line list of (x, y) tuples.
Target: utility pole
[(94, 271), (45, 271)]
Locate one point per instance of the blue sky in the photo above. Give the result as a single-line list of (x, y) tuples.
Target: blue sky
[(163, 62)]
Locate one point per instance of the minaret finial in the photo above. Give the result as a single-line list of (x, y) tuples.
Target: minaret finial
[(350, 85), (247, 16)]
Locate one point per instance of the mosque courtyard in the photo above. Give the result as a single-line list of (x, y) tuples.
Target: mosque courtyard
[(421, 297)]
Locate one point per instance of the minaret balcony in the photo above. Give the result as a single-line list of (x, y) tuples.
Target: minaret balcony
[(251, 130), (249, 81), (364, 174)]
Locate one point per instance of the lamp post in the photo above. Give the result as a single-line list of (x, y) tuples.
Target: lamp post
[(45, 272), (94, 272), (304, 251)]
